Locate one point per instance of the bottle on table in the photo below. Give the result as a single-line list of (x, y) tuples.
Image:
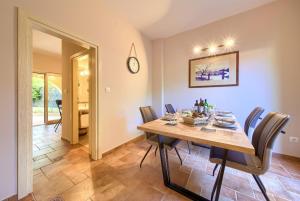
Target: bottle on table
[(196, 106), (201, 106), (206, 107)]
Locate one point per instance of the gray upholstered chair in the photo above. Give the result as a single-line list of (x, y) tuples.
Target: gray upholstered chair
[(249, 123), (263, 139), (252, 119), (148, 115), (170, 109)]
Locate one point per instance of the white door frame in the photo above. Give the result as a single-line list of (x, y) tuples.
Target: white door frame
[(24, 98)]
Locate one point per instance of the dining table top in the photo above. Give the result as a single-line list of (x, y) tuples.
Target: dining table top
[(235, 140)]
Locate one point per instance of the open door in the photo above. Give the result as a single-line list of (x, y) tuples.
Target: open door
[(81, 103)]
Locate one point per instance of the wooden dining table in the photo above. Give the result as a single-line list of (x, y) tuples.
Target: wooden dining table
[(227, 139)]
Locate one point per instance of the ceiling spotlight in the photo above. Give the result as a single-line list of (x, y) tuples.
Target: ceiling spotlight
[(197, 49), (212, 49), (229, 43)]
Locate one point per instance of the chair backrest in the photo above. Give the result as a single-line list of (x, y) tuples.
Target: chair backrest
[(59, 105), (252, 119), (170, 108), (265, 135), (148, 114)]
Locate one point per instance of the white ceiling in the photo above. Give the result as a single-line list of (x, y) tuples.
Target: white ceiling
[(45, 43), (164, 18)]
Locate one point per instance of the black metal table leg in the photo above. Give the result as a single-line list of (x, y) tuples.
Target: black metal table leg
[(215, 186), (163, 160), (215, 168), (166, 176)]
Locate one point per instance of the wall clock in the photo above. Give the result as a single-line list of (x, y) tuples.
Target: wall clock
[(133, 65)]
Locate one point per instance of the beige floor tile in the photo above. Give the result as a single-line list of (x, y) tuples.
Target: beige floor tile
[(242, 197), (39, 157), (55, 168), (45, 188), (82, 191), (41, 163), (108, 188), (37, 171), (239, 184), (292, 185), (145, 193), (42, 152), (260, 196), (76, 179), (57, 155), (174, 197)]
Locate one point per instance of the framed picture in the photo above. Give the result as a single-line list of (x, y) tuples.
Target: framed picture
[(214, 71)]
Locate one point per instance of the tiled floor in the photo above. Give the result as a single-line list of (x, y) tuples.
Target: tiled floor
[(48, 147), (84, 140), (73, 176)]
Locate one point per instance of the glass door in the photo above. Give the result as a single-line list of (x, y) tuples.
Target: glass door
[(38, 98), (54, 92), (46, 89)]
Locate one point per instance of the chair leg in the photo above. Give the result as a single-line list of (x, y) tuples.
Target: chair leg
[(57, 125), (155, 150), (257, 179), (188, 147), (145, 156), (215, 168), (178, 155), (261, 186)]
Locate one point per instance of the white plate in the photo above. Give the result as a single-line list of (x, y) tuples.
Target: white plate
[(225, 119), (224, 125), (224, 114)]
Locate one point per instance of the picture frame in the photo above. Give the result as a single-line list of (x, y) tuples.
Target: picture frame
[(218, 70)]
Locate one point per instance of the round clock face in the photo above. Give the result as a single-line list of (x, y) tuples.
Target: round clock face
[(133, 64)]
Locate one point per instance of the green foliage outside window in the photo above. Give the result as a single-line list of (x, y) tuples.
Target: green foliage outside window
[(37, 89)]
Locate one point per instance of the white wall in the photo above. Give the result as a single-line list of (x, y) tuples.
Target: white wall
[(158, 76), (268, 41), (119, 109)]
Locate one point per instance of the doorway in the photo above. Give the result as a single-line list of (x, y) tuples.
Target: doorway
[(26, 24), (46, 89), (81, 63)]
